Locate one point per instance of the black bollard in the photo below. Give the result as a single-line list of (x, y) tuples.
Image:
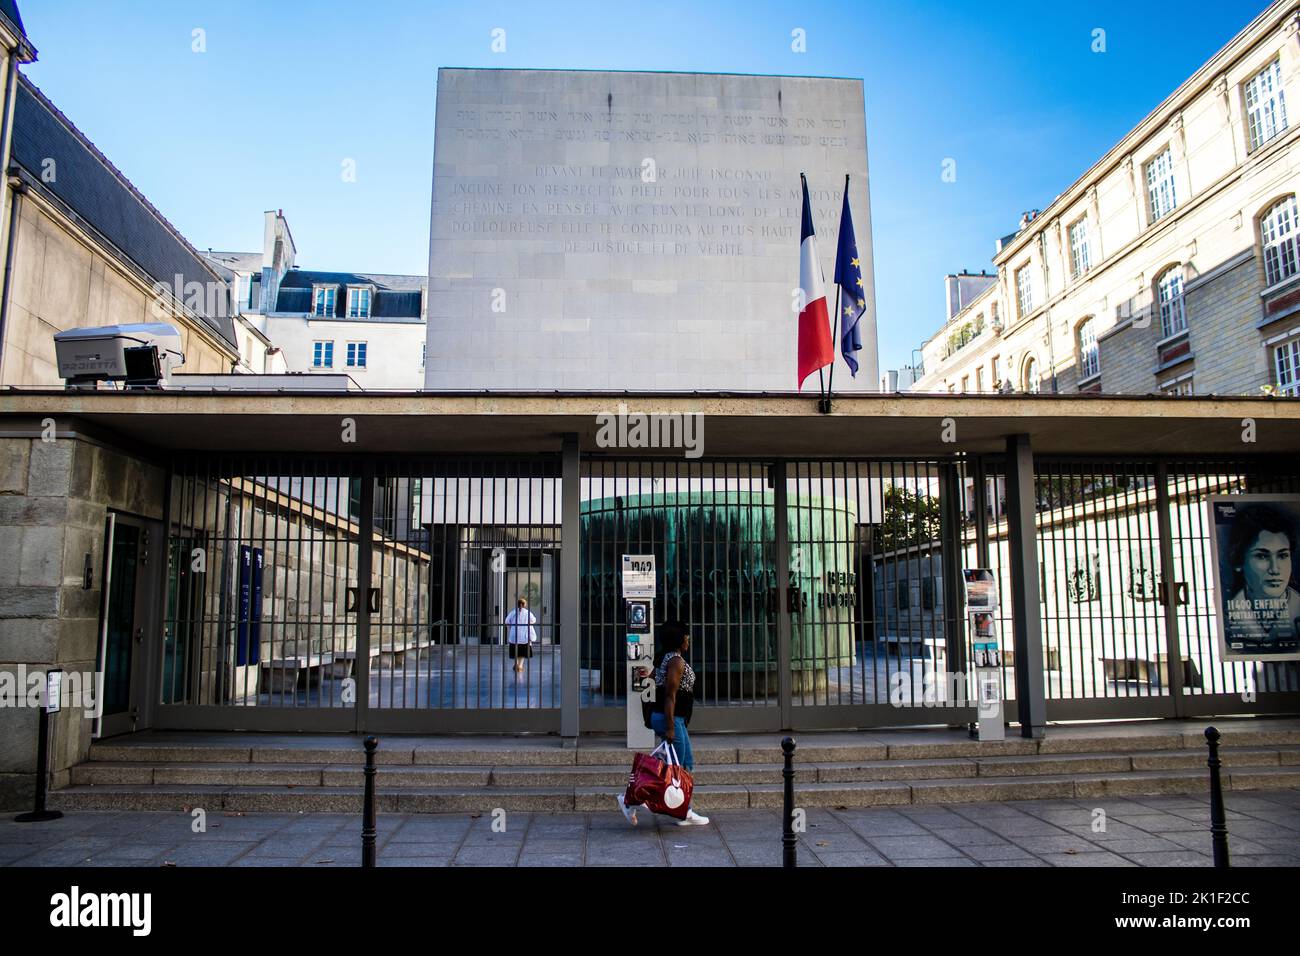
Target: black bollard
[(368, 812), (40, 813), (1218, 816), (789, 844)]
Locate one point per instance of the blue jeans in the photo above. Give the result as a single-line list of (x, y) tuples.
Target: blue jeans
[(681, 739)]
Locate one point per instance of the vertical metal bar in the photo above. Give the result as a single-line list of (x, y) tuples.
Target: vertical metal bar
[(450, 615), (781, 527), (1169, 589), (365, 558), (570, 480), (1031, 703), (950, 519), (979, 485)]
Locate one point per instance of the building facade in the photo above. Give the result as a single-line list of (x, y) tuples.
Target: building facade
[(368, 326), (1170, 266)]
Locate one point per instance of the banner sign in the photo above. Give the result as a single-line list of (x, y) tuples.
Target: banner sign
[(249, 643), (1256, 597)]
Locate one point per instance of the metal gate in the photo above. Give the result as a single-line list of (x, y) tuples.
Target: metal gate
[(459, 545), (423, 593), (814, 591), (711, 525), (341, 594), (1127, 586)]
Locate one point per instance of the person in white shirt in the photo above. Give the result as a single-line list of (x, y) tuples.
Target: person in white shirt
[(520, 633)]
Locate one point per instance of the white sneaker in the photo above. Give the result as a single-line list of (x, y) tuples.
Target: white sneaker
[(628, 812), (693, 819)]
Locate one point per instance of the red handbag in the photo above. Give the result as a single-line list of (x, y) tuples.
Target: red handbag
[(659, 782)]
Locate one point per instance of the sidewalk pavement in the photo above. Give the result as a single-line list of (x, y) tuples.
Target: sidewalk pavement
[(1263, 827)]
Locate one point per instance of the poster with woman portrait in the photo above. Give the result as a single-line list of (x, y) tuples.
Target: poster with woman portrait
[(1257, 593)]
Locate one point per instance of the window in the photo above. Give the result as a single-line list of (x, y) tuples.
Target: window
[(965, 384), (979, 379), (322, 355), (356, 355), (1089, 360), (1031, 376), (1265, 109), (1080, 261), (1286, 360), (358, 303), (1169, 293), (1177, 386), (1024, 292), (323, 300), (903, 592), (997, 371), (1161, 196), (1277, 230)]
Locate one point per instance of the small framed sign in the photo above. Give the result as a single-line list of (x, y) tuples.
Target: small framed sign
[(53, 691), (981, 589)]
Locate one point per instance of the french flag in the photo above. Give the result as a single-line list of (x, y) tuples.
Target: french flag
[(815, 349)]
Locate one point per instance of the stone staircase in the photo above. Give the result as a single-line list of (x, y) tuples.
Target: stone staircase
[(322, 773)]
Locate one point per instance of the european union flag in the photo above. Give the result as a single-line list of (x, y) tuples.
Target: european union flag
[(848, 276)]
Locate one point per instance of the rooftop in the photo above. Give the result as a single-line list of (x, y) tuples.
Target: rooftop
[(95, 192)]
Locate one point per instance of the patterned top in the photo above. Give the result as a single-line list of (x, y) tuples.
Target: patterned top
[(688, 675)]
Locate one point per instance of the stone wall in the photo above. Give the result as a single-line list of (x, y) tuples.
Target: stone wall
[(54, 498)]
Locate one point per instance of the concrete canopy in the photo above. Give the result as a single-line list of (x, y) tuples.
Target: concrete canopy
[(733, 426)]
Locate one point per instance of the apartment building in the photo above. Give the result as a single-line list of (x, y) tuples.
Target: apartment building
[(369, 326), (1170, 267)]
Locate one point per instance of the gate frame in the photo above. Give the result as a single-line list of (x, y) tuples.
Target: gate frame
[(569, 720)]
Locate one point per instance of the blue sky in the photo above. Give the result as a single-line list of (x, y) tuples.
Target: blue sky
[(1012, 91)]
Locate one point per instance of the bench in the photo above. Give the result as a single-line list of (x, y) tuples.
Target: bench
[(1144, 671), (344, 663), (283, 674), (393, 653), (1191, 675), (1137, 669)]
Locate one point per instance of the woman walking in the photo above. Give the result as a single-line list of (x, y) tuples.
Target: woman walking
[(520, 633), (674, 701)]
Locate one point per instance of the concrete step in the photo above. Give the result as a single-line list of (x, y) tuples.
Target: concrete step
[(710, 751), (480, 799), (113, 772)]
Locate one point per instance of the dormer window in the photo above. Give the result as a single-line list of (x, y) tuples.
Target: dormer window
[(323, 298), (359, 302)]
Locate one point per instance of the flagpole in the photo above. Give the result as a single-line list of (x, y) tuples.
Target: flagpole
[(835, 326), (821, 372)]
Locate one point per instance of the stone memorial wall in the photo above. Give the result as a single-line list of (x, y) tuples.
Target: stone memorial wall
[(639, 231)]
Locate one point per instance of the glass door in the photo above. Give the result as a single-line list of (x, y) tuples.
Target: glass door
[(124, 622)]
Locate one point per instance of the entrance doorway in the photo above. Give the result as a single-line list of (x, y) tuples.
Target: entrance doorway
[(128, 620)]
